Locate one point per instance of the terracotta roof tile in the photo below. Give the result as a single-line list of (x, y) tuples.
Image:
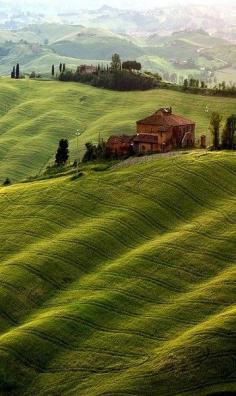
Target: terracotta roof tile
[(120, 139), (165, 119)]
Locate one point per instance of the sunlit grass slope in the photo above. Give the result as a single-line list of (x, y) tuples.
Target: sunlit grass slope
[(121, 282), (35, 115)]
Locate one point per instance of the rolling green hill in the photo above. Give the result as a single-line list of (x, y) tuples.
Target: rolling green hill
[(188, 52), (121, 282), (96, 44), (34, 115)]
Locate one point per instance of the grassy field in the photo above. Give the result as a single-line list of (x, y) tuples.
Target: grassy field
[(35, 115), (121, 282)]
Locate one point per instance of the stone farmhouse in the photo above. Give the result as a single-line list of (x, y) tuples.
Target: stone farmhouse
[(161, 132)]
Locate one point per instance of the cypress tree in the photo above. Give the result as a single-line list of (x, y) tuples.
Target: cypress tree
[(17, 71), (64, 67), (13, 73), (53, 70), (62, 154), (60, 67), (229, 133)]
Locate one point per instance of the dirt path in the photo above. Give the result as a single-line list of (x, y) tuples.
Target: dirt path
[(146, 158)]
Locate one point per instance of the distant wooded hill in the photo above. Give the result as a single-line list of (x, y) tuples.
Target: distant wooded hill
[(186, 53)]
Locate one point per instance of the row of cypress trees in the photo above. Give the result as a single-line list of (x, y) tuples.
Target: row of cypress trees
[(16, 71), (62, 68)]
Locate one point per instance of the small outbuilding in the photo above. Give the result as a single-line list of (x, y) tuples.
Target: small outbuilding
[(119, 146)]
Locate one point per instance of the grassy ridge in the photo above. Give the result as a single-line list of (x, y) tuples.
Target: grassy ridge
[(35, 115), (121, 282)]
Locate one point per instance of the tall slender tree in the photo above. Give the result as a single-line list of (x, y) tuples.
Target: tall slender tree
[(215, 124), (53, 70), (60, 67), (63, 67), (229, 133), (17, 71), (13, 73)]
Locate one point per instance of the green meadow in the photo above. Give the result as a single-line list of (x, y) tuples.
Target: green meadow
[(34, 115), (121, 282)]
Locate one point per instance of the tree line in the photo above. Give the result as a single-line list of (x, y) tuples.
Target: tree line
[(223, 138), (122, 76)]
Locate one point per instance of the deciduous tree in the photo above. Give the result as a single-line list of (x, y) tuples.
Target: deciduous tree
[(115, 62), (62, 154), (215, 124)]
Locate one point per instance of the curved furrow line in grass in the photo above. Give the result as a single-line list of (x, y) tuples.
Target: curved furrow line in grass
[(192, 388), (208, 180), (39, 219), (133, 275), (38, 273), (156, 201), (204, 251), (45, 369), (207, 387), (59, 342), (198, 361), (108, 233), (174, 211), (9, 318), (119, 311), (222, 165), (10, 287), (108, 308), (38, 253), (140, 214), (26, 233), (152, 175), (165, 264), (136, 297), (202, 356), (197, 231), (22, 358), (225, 167), (202, 204), (104, 329), (104, 203), (219, 333)]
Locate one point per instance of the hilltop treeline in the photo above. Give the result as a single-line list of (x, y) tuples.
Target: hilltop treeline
[(122, 80), (196, 86), (117, 76)]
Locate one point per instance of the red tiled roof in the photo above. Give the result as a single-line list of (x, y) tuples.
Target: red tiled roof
[(119, 139), (165, 119)]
